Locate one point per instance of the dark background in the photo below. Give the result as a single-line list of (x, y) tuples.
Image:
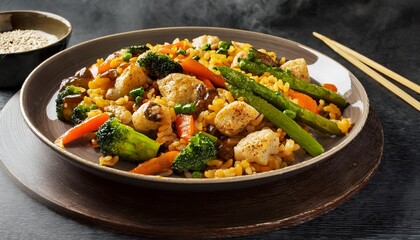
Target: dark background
[(386, 31)]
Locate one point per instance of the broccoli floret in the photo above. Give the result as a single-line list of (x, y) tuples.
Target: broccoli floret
[(158, 65), (80, 113), (118, 139), (200, 149), (136, 49), (66, 100)]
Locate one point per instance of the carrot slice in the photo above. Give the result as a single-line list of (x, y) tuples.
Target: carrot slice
[(304, 101), (185, 126), (197, 69), (97, 69), (330, 86), (87, 126), (157, 164)]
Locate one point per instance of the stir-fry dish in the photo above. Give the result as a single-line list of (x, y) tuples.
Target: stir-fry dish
[(200, 108)]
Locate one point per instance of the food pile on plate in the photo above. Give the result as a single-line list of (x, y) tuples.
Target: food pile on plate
[(205, 108)]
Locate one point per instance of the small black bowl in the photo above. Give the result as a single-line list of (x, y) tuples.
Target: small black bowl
[(15, 67)]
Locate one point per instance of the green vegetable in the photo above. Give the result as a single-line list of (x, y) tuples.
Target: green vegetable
[(118, 139), (66, 101), (280, 120), (195, 156), (158, 65), (196, 57), (182, 52), (211, 137), (206, 47), (225, 45), (315, 91), (257, 56), (136, 49), (80, 113), (127, 57), (137, 94), (197, 174), (290, 113), (187, 108), (222, 51), (303, 115)]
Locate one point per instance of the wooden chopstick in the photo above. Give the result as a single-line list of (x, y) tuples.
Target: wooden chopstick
[(355, 60), (415, 87)]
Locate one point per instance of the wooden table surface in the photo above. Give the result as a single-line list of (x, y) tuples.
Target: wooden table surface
[(386, 31)]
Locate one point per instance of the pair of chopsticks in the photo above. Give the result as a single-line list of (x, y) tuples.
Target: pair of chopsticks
[(367, 65)]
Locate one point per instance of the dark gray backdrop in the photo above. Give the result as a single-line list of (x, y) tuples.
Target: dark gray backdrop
[(386, 31)]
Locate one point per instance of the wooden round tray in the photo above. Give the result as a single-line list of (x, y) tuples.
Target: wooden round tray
[(51, 179)]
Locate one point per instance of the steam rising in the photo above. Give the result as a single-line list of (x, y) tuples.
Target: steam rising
[(278, 17), (253, 15)]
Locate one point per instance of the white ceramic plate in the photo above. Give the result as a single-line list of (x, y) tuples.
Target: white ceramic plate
[(39, 91)]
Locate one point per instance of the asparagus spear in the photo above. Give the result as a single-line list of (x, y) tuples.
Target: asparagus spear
[(315, 121), (313, 90), (280, 120), (255, 55)]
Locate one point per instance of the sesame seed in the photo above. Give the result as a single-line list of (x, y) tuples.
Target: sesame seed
[(24, 40)]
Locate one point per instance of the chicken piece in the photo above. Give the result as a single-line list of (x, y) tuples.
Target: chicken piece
[(179, 88), (132, 77), (257, 146), (120, 112), (240, 45), (150, 116), (235, 60), (298, 68), (206, 39), (234, 117)]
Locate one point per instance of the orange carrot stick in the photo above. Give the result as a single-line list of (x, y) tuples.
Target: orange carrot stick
[(197, 69), (157, 164), (87, 126), (185, 126)]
